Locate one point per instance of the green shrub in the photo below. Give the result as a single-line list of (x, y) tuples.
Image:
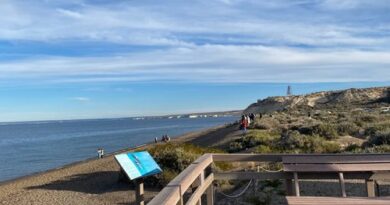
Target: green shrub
[(373, 128), (353, 148), (235, 147), (294, 142), (325, 130), (252, 139), (347, 128), (377, 149), (380, 138), (328, 147), (306, 130), (263, 149), (174, 158), (368, 118), (265, 124)]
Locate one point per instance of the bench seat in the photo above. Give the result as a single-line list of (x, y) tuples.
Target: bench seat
[(338, 164), (315, 200)]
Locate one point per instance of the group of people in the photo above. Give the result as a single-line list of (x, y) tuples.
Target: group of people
[(100, 152), (164, 138), (246, 121)]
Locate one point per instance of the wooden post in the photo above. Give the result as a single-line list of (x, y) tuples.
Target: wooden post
[(201, 181), (210, 195), (296, 182), (342, 184), (370, 184), (139, 191), (289, 187)]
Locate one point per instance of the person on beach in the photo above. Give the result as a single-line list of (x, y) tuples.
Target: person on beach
[(252, 117), (100, 152), (155, 140), (244, 124)]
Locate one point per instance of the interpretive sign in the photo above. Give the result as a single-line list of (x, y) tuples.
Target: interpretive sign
[(138, 164)]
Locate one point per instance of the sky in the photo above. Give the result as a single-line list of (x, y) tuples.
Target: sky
[(73, 59)]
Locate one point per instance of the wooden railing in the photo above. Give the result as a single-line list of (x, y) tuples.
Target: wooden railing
[(198, 178)]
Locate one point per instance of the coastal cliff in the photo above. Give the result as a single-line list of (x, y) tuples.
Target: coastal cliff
[(349, 97)]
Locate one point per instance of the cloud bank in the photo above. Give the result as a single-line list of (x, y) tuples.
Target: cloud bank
[(197, 41)]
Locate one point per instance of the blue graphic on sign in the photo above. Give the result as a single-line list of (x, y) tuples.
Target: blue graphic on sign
[(138, 164)]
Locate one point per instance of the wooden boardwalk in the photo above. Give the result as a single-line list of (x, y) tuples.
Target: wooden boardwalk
[(198, 178)]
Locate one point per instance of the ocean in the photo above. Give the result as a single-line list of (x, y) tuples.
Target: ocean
[(30, 147)]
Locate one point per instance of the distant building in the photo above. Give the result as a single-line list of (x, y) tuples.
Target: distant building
[(289, 90)]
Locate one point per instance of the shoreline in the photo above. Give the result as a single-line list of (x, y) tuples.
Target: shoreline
[(94, 181), (181, 138)]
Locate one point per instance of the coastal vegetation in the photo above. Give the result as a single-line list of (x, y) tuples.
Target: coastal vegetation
[(174, 157), (339, 126)]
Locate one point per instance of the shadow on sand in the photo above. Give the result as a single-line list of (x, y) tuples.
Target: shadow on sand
[(90, 183)]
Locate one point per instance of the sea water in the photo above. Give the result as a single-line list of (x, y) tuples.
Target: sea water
[(29, 147)]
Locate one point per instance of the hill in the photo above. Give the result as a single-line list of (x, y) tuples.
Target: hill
[(351, 98)]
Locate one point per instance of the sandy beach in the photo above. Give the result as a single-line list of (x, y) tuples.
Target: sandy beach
[(94, 181)]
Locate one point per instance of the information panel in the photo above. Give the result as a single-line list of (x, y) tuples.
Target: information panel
[(138, 164)]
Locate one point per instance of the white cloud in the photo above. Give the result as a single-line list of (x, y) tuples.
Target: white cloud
[(81, 99), (172, 23), (211, 63), (208, 41)]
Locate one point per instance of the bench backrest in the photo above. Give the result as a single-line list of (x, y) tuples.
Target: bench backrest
[(336, 163)]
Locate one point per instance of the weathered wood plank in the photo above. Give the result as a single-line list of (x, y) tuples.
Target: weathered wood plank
[(247, 157), (336, 159), (174, 191), (196, 196), (336, 167), (303, 175), (370, 184), (337, 201)]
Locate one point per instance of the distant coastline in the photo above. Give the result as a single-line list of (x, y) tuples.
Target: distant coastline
[(186, 115)]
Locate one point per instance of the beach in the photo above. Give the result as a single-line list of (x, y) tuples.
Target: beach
[(94, 181)]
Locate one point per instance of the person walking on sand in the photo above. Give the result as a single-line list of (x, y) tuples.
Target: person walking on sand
[(155, 140)]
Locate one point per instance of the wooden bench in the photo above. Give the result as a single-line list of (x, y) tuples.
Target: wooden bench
[(336, 164)]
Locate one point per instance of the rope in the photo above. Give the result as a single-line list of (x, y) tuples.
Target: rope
[(236, 195), (250, 182)]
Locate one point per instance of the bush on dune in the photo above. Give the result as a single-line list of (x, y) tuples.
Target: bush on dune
[(373, 128), (380, 138), (252, 139), (347, 128), (174, 158), (294, 142), (265, 123)]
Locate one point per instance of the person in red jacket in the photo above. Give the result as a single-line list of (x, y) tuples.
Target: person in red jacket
[(244, 123)]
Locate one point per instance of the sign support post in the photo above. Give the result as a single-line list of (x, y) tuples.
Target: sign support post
[(139, 191)]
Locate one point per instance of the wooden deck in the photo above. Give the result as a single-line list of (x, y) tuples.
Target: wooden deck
[(198, 178)]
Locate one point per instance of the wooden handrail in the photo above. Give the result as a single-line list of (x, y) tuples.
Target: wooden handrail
[(195, 176), (174, 191), (195, 197)]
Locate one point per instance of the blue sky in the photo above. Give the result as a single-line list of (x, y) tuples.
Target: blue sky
[(69, 59)]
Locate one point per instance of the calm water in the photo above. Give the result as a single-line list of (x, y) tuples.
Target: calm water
[(37, 146)]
